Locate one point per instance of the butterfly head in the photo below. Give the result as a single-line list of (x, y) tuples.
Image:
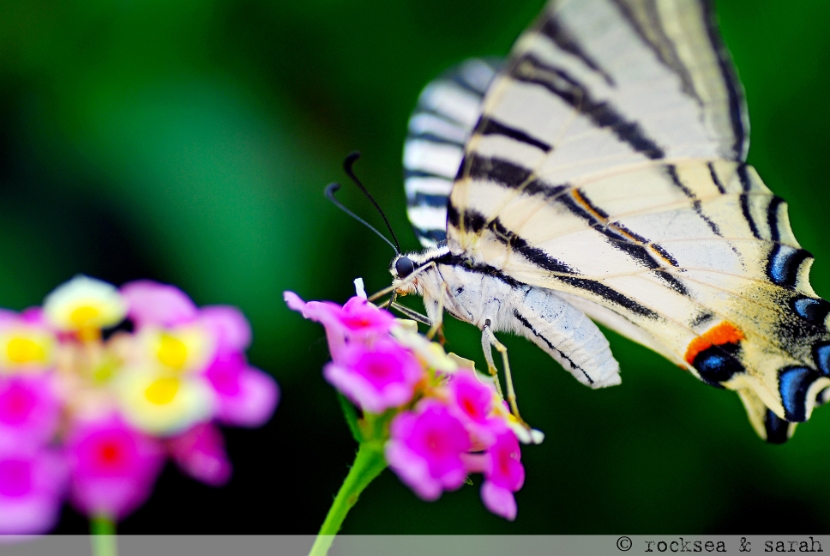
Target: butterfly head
[(411, 272), (404, 275)]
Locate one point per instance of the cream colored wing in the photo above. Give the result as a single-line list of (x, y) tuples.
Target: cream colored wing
[(608, 165)]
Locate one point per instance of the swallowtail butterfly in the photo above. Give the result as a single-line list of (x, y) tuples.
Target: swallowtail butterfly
[(600, 172)]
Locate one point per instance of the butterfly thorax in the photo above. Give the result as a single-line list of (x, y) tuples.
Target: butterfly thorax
[(449, 281)]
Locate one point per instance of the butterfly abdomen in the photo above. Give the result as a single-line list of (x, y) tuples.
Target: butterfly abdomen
[(483, 297)]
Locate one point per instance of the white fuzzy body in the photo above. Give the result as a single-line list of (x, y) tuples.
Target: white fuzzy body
[(538, 314)]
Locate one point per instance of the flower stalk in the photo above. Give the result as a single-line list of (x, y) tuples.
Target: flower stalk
[(428, 416), (368, 464), (104, 540)]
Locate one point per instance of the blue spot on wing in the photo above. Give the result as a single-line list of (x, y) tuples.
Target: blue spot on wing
[(783, 264), (811, 309), (793, 383), (821, 355), (718, 364)]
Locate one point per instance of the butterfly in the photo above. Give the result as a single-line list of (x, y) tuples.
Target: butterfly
[(599, 175)]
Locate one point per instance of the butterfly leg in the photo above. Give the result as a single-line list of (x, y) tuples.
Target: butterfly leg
[(489, 339), (409, 313), (487, 347), (438, 324)]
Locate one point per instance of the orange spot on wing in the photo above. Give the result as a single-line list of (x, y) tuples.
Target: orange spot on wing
[(724, 333)]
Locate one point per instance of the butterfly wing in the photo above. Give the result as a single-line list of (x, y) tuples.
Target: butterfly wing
[(608, 164), (439, 127)]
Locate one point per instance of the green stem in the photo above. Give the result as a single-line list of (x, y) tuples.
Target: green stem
[(104, 541), (367, 465)]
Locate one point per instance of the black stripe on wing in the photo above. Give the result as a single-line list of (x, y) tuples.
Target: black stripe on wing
[(510, 175), (623, 239), (513, 176), (475, 222), (773, 210), (671, 170), (529, 69), (746, 184), (561, 37), (647, 23), (488, 126), (730, 79), (715, 178)]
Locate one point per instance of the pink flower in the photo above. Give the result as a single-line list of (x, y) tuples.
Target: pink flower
[(375, 379), (474, 401), (200, 452), (245, 396), (504, 475), (113, 467), (426, 447), (29, 409), (228, 326), (357, 320), (32, 483), (149, 302)]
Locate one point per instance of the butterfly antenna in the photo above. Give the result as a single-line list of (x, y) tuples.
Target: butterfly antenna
[(348, 166), (331, 189)]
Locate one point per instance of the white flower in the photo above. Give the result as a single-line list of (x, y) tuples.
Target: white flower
[(164, 404), (181, 350), (84, 304)]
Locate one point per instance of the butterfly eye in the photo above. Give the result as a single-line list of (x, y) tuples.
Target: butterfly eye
[(404, 267)]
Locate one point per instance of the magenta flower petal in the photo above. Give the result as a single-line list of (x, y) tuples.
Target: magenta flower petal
[(505, 468), (413, 470), (113, 467), (360, 316), (153, 303), (29, 409), (293, 301), (378, 379), (426, 449), (245, 396), (474, 401), (34, 316), (228, 326), (200, 452), (32, 484), (358, 320), (499, 500)]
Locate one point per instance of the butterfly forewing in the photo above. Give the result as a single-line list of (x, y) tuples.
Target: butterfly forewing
[(440, 126)]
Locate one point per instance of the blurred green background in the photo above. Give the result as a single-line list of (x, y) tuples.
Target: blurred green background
[(189, 142)]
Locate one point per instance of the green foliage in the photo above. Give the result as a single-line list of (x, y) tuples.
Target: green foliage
[(190, 142)]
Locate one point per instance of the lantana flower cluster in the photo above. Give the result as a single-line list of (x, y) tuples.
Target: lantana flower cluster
[(440, 419), (91, 414)]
